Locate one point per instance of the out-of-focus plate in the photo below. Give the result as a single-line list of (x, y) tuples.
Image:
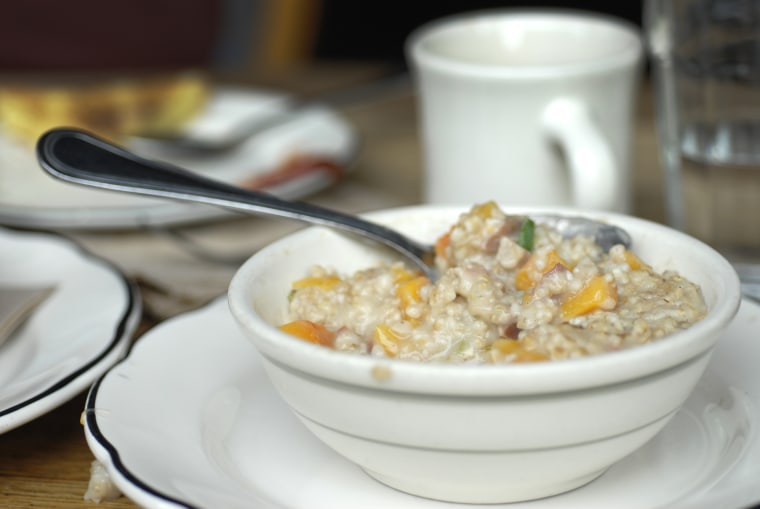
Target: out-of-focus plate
[(31, 199), (81, 329), (227, 440)]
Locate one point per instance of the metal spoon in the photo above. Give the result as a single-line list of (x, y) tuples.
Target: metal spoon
[(81, 158)]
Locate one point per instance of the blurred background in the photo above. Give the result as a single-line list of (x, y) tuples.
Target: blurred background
[(143, 66), (268, 35), (376, 30)]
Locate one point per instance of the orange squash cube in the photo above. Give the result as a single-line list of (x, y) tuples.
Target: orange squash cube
[(409, 291), (442, 245), (633, 261), (597, 293), (324, 282), (309, 331), (528, 276), (388, 339), (503, 348)]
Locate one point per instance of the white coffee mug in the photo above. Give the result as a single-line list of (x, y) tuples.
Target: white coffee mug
[(527, 107)]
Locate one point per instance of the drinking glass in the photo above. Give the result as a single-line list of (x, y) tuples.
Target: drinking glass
[(706, 76)]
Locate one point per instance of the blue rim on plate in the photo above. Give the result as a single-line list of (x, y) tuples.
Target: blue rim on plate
[(251, 451)]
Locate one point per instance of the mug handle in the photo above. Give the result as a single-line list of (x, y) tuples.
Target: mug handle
[(596, 182)]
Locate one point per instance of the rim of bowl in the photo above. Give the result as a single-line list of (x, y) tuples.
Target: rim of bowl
[(567, 375), (416, 50)]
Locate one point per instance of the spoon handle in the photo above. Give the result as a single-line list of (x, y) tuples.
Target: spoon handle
[(79, 157)]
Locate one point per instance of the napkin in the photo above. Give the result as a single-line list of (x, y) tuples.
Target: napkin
[(17, 304)]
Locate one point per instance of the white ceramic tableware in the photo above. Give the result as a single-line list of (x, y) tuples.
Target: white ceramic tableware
[(83, 327), (528, 107), (227, 439), (31, 199), (479, 433)]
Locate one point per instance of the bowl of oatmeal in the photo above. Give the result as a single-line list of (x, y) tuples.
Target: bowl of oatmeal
[(530, 366)]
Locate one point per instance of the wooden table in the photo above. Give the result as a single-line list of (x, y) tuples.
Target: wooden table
[(46, 463)]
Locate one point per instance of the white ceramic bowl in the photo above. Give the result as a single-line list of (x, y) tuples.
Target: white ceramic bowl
[(485, 433)]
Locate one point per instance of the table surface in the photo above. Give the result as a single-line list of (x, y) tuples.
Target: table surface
[(45, 463)]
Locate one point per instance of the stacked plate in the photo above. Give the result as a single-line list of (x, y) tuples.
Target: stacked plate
[(74, 336), (296, 157)]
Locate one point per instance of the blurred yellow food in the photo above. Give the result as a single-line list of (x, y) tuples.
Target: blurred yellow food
[(113, 108)]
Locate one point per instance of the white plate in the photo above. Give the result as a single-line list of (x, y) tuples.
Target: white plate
[(82, 328), (32, 199), (189, 419)]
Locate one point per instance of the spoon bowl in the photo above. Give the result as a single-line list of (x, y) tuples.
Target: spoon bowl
[(82, 158)]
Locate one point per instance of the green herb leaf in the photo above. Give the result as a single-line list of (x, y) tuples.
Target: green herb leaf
[(527, 230)]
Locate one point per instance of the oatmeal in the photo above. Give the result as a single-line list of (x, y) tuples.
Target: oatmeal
[(509, 291)]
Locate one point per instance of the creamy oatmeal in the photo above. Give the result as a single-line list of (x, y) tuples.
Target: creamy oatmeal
[(510, 291)]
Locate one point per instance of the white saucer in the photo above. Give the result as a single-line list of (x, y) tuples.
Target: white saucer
[(31, 199), (80, 331), (189, 419)]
